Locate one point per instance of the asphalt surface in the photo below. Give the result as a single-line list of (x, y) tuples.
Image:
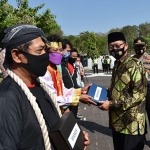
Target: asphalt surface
[(95, 121)]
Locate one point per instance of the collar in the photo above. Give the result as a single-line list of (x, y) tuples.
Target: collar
[(124, 57), (53, 66), (30, 85), (141, 57)]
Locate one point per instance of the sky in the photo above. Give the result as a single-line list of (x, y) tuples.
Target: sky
[(76, 16)]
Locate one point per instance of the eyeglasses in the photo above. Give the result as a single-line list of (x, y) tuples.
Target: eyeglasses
[(117, 46)]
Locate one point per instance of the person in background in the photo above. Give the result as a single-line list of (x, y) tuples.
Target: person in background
[(73, 72), (126, 101), (67, 79), (80, 75), (108, 64), (140, 46), (2, 58), (102, 61), (95, 66), (80, 71), (53, 78)]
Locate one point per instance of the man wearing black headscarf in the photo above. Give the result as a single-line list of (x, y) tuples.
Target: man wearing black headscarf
[(26, 58), (27, 114)]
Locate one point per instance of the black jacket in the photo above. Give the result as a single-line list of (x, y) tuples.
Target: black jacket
[(19, 127), (69, 81)]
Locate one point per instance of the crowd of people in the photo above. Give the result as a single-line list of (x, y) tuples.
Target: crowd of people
[(106, 64), (44, 80)]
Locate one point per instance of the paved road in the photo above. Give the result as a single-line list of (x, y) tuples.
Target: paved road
[(95, 121)]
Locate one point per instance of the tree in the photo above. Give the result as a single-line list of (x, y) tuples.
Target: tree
[(130, 32), (144, 29), (115, 30), (46, 21), (102, 44), (6, 18), (24, 14)]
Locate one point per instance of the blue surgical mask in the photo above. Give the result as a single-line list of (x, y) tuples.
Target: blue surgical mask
[(66, 54)]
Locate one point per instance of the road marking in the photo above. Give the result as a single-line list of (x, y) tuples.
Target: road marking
[(97, 75)]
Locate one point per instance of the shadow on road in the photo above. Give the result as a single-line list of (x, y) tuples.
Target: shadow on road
[(94, 127)]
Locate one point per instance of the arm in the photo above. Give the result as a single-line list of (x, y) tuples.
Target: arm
[(10, 122), (69, 96)]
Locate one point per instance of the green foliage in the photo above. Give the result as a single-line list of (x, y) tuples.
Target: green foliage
[(46, 21), (24, 14), (144, 29), (115, 30), (130, 32), (6, 18), (148, 44), (89, 43), (86, 43)]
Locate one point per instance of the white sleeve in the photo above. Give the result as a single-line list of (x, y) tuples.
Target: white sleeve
[(68, 93)]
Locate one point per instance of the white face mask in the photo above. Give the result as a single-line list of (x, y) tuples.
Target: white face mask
[(77, 63)]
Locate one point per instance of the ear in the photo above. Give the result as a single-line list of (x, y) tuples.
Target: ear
[(126, 46), (18, 57)]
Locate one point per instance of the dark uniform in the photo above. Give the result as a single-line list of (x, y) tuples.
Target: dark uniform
[(95, 66), (108, 64), (102, 61), (69, 81), (140, 47)]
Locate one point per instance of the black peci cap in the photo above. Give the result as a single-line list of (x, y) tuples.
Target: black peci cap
[(116, 36)]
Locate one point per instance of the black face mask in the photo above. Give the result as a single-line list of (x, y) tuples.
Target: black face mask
[(37, 65), (72, 60), (117, 53), (139, 50)]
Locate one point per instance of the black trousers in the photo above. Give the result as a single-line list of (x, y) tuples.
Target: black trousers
[(95, 67), (103, 67), (74, 110), (109, 68), (127, 142), (148, 102), (106, 67)]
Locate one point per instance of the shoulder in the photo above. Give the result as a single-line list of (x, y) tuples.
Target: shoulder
[(47, 77), (132, 61), (12, 97), (134, 65)]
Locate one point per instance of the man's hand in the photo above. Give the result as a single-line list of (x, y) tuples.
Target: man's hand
[(87, 141), (84, 90), (104, 105), (84, 98)]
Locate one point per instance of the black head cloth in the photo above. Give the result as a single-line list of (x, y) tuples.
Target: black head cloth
[(20, 34)]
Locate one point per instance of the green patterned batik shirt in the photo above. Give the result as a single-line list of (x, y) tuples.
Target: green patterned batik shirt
[(127, 96)]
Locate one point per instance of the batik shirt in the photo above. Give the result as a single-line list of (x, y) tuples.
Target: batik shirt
[(127, 96)]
